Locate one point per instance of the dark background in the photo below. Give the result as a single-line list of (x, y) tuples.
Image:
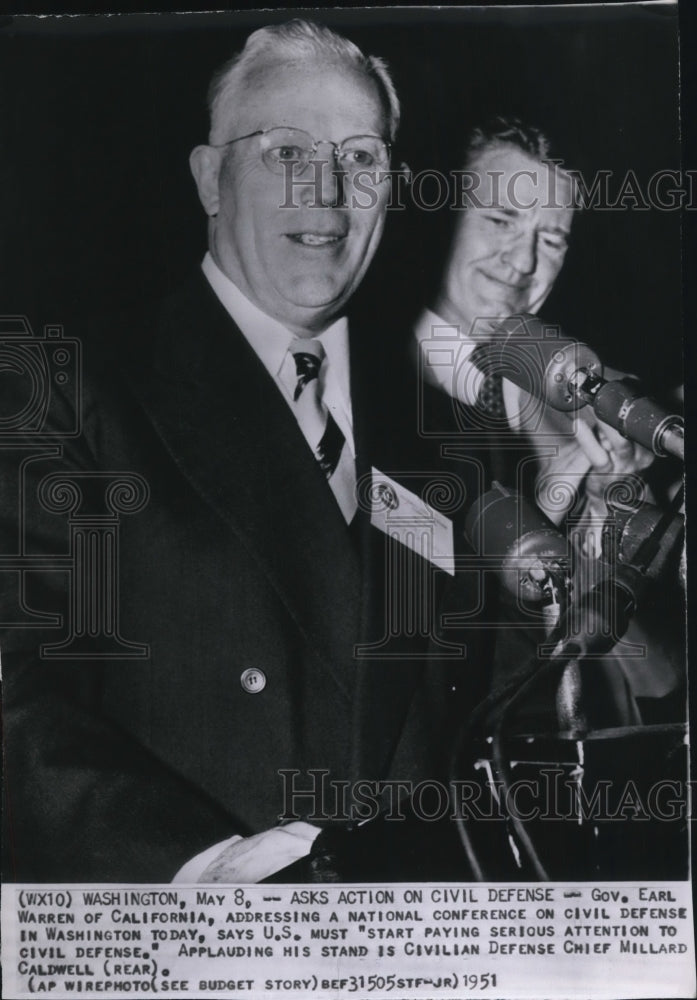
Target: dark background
[(99, 114)]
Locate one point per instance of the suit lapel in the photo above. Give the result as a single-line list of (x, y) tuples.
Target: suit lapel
[(231, 433)]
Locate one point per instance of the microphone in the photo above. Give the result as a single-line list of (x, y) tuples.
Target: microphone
[(643, 536), (527, 548), (568, 375), (531, 553)]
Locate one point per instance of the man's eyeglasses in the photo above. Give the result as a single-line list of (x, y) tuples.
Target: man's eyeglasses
[(293, 149)]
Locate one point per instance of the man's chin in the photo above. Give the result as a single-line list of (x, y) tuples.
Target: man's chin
[(491, 314), (317, 295), (304, 314)]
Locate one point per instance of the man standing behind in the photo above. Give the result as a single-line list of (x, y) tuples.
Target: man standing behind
[(507, 251), (508, 248), (268, 594)]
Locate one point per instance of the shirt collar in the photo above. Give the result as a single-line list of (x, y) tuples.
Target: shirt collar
[(268, 338), (432, 331)]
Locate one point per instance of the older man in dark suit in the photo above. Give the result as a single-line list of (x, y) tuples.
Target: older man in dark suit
[(286, 573)]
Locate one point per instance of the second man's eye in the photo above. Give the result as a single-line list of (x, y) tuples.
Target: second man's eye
[(552, 242), (499, 220)]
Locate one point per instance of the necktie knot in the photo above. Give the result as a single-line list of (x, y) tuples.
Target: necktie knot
[(308, 355)]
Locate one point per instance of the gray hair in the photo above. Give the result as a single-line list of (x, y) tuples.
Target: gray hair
[(296, 39)]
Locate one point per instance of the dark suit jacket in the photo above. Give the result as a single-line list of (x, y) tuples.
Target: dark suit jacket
[(122, 769)]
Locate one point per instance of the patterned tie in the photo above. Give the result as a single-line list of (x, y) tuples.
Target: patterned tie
[(319, 427), (489, 400)]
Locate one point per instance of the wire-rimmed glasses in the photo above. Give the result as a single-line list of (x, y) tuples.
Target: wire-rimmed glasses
[(294, 149)]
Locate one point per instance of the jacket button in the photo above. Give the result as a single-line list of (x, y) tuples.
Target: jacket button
[(253, 680)]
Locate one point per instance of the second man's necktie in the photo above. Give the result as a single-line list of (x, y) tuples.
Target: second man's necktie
[(489, 401)]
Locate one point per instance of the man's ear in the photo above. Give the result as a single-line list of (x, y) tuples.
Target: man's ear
[(405, 169), (205, 166)]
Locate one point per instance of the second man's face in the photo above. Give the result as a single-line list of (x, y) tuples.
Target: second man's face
[(511, 241), (298, 251)]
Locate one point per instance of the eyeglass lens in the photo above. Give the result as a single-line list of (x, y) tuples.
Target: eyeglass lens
[(282, 146)]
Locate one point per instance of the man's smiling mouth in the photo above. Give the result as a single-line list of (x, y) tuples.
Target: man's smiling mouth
[(315, 239), (511, 286)]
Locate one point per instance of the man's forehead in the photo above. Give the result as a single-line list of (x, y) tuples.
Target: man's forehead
[(279, 88), (510, 179)]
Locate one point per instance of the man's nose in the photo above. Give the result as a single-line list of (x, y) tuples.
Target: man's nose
[(521, 253), (328, 177)]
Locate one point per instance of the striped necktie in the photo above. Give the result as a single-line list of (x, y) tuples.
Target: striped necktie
[(320, 429)]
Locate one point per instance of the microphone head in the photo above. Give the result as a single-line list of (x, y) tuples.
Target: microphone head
[(627, 530), (523, 546), (538, 357)]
